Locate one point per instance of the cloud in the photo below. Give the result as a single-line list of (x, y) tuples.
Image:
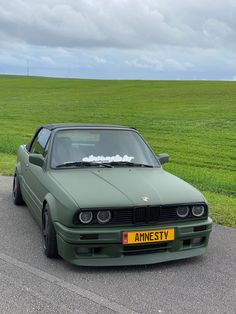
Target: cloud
[(48, 60), (146, 62), (119, 38), (100, 60), (122, 24), (159, 65)]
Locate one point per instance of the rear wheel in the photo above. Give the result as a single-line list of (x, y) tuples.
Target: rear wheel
[(16, 191), (49, 234)]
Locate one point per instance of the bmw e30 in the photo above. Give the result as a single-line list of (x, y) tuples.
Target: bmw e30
[(102, 198)]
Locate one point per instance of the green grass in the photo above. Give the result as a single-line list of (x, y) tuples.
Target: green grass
[(194, 121)]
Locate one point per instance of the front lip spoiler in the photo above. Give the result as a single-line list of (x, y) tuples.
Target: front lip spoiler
[(66, 252)]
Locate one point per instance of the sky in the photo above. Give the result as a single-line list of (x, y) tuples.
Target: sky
[(119, 39)]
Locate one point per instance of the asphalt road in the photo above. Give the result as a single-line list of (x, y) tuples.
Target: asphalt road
[(31, 283)]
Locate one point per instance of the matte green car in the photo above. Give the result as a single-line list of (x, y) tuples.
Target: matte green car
[(102, 197)]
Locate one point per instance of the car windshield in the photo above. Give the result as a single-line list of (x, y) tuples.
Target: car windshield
[(86, 148)]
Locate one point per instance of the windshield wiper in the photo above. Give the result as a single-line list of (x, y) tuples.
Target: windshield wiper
[(129, 164), (83, 164), (102, 164)]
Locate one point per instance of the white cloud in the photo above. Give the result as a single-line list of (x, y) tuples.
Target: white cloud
[(146, 62), (100, 60), (48, 60), (121, 24), (159, 65), (194, 38)]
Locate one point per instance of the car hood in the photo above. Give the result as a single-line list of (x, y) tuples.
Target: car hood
[(120, 187)]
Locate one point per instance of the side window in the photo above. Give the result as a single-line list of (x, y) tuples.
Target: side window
[(40, 143)]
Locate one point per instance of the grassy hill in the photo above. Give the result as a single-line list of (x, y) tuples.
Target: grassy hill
[(193, 121)]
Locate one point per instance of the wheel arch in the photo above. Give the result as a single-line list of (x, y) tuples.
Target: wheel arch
[(52, 204), (20, 156), (48, 230), (18, 169)]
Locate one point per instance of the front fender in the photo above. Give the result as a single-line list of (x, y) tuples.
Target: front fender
[(59, 212), (52, 204), (20, 152)]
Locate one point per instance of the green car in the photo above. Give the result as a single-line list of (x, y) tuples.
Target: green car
[(102, 197)]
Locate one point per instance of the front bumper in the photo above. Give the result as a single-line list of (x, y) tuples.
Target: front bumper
[(102, 246)]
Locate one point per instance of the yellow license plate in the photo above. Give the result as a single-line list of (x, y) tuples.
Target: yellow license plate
[(147, 236)]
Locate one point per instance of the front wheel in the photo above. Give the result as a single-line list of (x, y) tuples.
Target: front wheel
[(16, 191), (48, 235)]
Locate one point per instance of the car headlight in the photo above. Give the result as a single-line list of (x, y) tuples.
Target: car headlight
[(198, 210), (104, 216), (182, 211), (86, 217)]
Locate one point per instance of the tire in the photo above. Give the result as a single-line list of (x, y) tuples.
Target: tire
[(16, 191), (48, 234)]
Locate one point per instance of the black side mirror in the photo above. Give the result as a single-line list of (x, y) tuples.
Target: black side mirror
[(163, 158), (36, 159)]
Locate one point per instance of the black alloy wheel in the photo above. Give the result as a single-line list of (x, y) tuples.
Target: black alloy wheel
[(16, 191), (48, 234)]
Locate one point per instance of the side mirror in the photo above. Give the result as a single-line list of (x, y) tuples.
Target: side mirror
[(163, 158), (36, 159)]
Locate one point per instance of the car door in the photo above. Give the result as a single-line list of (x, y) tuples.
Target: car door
[(35, 175)]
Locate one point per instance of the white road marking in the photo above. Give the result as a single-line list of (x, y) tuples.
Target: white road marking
[(118, 308)]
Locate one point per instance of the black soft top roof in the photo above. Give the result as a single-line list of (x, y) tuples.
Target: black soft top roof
[(82, 125)]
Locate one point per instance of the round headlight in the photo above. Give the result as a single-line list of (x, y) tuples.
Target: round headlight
[(182, 211), (104, 216), (86, 217), (198, 210)]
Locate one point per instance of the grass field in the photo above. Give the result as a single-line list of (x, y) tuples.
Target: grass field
[(195, 122)]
